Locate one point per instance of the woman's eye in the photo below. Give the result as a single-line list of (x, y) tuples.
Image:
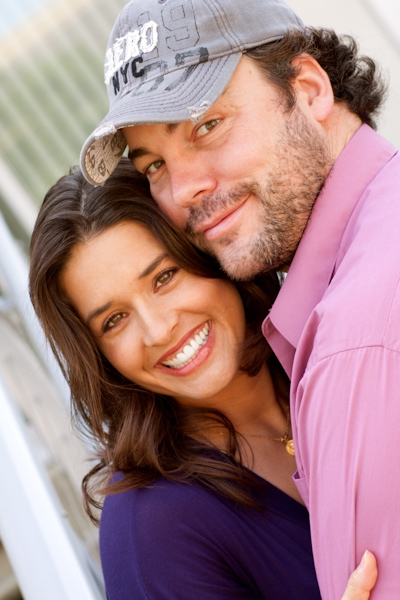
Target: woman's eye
[(154, 167), (207, 127), (113, 321), (164, 277)]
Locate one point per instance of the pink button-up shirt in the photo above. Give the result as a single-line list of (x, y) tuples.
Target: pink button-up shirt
[(335, 327)]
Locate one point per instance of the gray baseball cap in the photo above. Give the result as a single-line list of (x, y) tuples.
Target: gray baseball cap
[(168, 61)]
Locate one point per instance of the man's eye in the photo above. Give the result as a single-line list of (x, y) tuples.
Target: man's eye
[(154, 167), (207, 127)]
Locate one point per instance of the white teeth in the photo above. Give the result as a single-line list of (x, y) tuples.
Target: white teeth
[(195, 345), (190, 350)]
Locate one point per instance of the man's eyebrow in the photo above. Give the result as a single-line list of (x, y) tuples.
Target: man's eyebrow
[(137, 153), (170, 128), (142, 150), (153, 265)]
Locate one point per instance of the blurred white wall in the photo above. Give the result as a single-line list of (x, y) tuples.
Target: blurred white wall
[(376, 26)]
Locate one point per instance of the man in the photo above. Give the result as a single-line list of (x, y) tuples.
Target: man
[(256, 135)]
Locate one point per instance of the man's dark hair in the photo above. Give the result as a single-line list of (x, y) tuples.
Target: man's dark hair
[(356, 80)]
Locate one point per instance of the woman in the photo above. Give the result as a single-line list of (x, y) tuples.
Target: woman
[(188, 407)]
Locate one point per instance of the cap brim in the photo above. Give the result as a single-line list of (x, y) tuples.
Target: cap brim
[(182, 95)]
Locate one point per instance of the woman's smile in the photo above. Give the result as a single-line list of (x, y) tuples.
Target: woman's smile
[(162, 327), (190, 350)]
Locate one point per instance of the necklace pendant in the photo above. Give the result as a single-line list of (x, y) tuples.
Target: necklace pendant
[(290, 447)]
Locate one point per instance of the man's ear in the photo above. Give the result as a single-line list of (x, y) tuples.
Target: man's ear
[(313, 87)]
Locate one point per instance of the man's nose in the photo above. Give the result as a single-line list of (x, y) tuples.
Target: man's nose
[(191, 178)]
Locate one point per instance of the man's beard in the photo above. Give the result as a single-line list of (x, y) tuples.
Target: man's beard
[(300, 165)]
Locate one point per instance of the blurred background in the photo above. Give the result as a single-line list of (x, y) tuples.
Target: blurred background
[(51, 96)]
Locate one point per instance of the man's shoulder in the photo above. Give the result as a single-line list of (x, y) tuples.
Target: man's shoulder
[(361, 306)]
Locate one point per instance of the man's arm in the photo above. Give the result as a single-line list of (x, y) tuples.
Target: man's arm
[(348, 416)]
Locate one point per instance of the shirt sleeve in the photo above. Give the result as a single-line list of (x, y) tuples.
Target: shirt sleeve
[(348, 418)]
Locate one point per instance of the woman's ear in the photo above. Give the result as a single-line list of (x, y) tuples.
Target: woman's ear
[(313, 87)]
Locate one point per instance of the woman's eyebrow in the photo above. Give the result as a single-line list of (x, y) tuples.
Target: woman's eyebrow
[(97, 312), (153, 265)]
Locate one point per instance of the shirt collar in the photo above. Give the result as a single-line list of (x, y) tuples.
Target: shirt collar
[(313, 264)]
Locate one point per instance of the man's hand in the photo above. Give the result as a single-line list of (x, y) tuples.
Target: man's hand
[(363, 579)]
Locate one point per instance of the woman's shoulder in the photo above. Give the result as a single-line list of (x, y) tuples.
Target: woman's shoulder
[(160, 504), (146, 533), (168, 501)]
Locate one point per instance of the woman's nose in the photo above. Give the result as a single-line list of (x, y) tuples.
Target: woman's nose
[(158, 325)]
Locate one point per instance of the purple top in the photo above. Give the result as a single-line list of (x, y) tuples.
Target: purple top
[(335, 327), (183, 542)]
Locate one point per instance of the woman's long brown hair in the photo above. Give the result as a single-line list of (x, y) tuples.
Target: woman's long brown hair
[(142, 434)]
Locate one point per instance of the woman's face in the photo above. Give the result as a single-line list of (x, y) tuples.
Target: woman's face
[(161, 327)]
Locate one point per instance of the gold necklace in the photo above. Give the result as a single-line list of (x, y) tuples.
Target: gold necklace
[(284, 439)]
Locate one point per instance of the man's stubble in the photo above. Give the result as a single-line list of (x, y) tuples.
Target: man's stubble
[(296, 173)]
